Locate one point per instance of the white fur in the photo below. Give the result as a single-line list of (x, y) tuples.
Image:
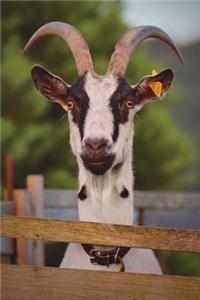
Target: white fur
[(103, 203), (99, 91)]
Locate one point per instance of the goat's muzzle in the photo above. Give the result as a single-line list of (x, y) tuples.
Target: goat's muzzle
[(97, 156)]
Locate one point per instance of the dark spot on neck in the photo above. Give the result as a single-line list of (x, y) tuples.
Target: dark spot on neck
[(82, 195), (120, 112), (124, 193), (79, 112)]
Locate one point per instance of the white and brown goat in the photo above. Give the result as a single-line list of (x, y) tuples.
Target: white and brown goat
[(101, 110)]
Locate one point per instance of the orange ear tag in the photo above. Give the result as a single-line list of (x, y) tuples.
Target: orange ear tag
[(156, 86)]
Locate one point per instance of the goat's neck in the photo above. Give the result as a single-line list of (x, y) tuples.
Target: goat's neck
[(104, 203)]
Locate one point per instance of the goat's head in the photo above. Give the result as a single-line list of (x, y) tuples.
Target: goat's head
[(101, 108)]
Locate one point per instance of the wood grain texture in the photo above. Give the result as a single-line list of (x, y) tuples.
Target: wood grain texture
[(24, 283), (21, 206), (185, 218), (101, 234)]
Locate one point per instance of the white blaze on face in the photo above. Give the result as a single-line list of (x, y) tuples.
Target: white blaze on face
[(99, 119)]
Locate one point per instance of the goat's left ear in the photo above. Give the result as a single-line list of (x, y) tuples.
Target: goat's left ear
[(152, 87)]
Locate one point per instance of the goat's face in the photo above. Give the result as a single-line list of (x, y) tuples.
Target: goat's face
[(101, 108), (101, 111)]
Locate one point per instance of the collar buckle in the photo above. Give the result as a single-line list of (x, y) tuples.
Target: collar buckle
[(92, 255), (96, 255)]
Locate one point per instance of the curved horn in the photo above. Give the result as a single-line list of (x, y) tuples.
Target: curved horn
[(127, 44), (72, 37)]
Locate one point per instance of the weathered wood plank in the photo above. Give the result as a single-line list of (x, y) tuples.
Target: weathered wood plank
[(24, 283), (6, 245), (167, 200), (8, 207), (178, 218), (21, 206), (20, 200), (70, 213), (181, 218), (35, 185), (68, 198), (6, 259), (101, 234), (57, 198)]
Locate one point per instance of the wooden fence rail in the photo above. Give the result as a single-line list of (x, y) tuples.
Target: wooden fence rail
[(24, 283), (58, 198), (101, 234), (163, 209)]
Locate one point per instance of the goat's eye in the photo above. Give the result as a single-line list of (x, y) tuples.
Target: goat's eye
[(70, 105), (129, 104)]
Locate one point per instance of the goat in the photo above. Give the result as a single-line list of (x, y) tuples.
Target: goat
[(101, 110)]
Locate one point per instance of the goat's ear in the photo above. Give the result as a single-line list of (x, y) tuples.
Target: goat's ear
[(153, 87), (49, 85)]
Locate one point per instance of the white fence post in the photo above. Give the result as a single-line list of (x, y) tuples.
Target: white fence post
[(35, 185)]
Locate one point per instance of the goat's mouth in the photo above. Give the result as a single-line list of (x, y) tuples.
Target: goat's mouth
[(98, 165)]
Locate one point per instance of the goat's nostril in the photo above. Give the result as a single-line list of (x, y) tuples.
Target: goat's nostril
[(96, 144), (89, 145), (102, 145)]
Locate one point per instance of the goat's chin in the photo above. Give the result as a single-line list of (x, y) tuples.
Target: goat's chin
[(99, 167)]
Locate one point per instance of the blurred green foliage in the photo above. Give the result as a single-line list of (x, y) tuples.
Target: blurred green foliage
[(170, 151), (36, 132), (186, 264)]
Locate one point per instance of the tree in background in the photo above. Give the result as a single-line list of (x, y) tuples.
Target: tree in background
[(36, 132)]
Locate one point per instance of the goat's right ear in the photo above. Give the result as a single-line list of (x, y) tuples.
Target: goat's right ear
[(49, 85)]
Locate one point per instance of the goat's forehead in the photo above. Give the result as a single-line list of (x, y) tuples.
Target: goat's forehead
[(100, 88)]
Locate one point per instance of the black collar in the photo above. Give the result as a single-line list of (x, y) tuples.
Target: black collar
[(106, 257)]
